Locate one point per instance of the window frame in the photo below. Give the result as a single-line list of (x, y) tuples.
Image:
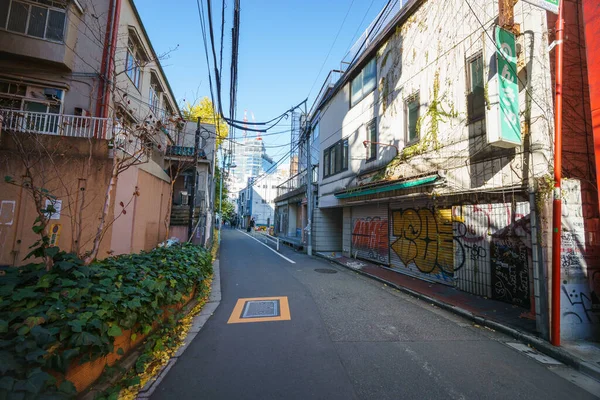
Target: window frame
[(133, 52), (361, 76), (335, 158), (415, 97), (154, 100), (470, 88), (372, 148), (30, 4)]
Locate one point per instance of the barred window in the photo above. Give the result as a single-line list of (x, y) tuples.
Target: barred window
[(44, 19)]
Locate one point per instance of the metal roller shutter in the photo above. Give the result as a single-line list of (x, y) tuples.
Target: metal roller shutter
[(421, 241), (370, 233)]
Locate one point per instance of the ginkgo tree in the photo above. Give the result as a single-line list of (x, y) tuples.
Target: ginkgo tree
[(208, 115)]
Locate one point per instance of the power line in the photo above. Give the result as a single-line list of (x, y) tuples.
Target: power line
[(331, 48)]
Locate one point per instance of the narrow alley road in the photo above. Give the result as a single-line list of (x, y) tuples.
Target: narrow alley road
[(347, 337)]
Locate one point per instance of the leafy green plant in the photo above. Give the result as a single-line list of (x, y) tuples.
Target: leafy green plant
[(49, 319)]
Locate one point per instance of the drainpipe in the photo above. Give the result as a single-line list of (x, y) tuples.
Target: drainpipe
[(540, 289), (108, 56), (557, 204)]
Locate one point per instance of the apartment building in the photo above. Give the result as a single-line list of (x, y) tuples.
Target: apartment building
[(190, 175), (436, 157), (87, 115)]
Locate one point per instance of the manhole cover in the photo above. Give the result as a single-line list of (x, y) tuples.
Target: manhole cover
[(261, 308), (326, 271)]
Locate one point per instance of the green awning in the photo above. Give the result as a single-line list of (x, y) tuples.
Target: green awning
[(387, 188)]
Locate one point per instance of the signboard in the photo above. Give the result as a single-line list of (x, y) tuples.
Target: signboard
[(56, 205), (549, 5), (54, 234), (504, 123)]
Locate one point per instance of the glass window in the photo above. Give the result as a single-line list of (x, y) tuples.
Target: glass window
[(154, 100), (17, 20), (372, 139), (44, 20), (3, 13), (364, 82), (412, 116), (369, 76), (335, 158), (476, 91), (133, 64), (56, 25), (37, 21)]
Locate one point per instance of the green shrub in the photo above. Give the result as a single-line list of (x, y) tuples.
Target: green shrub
[(49, 318)]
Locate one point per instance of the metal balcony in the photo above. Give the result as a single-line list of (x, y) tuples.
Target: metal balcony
[(56, 124), (185, 151), (294, 183)]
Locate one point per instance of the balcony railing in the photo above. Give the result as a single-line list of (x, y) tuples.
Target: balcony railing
[(184, 151), (294, 183), (56, 124)]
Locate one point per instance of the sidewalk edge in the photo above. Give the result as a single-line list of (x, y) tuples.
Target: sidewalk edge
[(198, 323), (539, 344)]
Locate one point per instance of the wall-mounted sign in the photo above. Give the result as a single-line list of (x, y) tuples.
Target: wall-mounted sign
[(549, 5), (503, 121), (56, 205), (55, 234)]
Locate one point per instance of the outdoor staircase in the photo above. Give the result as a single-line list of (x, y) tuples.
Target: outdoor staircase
[(180, 215)]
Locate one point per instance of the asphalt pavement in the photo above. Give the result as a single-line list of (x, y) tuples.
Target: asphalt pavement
[(346, 337)]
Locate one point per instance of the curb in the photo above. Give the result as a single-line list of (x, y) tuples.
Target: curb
[(198, 322), (539, 344)]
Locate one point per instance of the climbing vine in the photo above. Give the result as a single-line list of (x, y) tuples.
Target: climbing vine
[(435, 114)]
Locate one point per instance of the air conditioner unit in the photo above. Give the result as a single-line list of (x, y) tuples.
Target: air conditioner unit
[(53, 94), (185, 198)]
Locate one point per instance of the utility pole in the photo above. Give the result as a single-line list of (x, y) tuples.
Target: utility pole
[(221, 195), (194, 178), (308, 190), (557, 203)]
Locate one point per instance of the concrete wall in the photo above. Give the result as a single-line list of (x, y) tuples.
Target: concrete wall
[(429, 58), (79, 182)]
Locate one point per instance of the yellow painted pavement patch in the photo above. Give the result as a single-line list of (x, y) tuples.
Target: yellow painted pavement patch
[(242, 310)]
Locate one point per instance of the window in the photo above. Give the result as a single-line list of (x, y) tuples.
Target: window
[(14, 96), (133, 64), (476, 91), (335, 158), (411, 117), (364, 82), (44, 19), (154, 98), (372, 139), (315, 133)]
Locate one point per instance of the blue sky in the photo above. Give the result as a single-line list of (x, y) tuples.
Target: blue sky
[(283, 44)]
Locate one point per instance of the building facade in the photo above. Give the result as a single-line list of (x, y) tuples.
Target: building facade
[(87, 114), (436, 153)]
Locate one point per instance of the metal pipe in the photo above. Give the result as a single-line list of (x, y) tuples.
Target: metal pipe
[(194, 178), (557, 203)]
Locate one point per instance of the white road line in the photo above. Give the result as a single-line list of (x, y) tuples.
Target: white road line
[(280, 255)]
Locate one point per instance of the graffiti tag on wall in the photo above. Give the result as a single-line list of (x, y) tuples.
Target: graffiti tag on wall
[(370, 238), (510, 271), (424, 238)]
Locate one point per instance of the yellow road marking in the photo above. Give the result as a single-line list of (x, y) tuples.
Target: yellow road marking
[(284, 310)]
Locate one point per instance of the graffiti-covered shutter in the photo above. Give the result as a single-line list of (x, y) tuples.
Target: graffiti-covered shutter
[(493, 250), (370, 233), (421, 241)]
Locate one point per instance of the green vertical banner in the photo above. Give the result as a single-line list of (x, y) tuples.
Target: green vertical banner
[(508, 87)]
